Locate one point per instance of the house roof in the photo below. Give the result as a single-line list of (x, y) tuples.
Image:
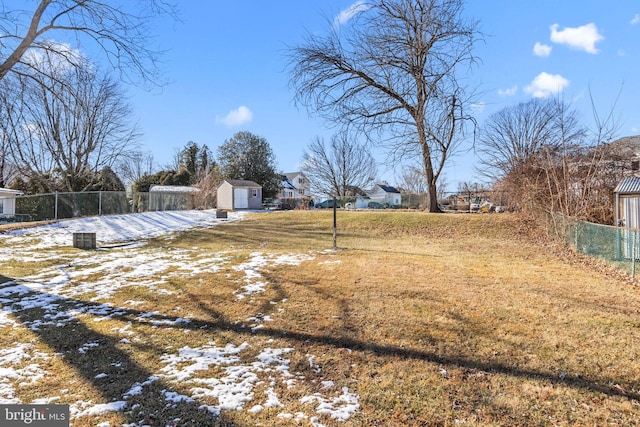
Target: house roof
[(242, 183), (628, 186), (173, 189), (627, 146), (10, 192), (292, 175), (287, 184), (388, 188)]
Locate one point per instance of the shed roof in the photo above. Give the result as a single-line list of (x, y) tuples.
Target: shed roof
[(628, 186), (173, 189), (243, 183)]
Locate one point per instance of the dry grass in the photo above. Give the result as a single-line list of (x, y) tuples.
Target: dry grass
[(430, 319)]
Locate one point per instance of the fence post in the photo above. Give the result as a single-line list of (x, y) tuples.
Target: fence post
[(100, 203), (55, 213)]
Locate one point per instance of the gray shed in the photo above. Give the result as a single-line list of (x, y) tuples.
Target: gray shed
[(172, 197), (234, 194), (627, 203)]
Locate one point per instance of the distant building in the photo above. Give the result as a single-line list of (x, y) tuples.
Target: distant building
[(295, 185), (386, 195)]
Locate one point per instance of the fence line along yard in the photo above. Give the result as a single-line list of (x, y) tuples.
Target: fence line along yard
[(53, 206), (617, 246)]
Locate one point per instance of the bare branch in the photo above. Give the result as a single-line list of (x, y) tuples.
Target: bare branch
[(392, 74)]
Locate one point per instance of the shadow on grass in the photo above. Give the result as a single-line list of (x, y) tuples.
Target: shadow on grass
[(142, 398), (152, 407)]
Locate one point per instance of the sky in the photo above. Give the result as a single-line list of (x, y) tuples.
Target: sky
[(184, 372), (227, 71)]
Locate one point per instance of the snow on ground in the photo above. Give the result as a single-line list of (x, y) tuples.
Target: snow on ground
[(134, 264)]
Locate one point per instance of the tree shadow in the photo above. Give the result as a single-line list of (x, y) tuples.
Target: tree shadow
[(123, 373), (103, 361)]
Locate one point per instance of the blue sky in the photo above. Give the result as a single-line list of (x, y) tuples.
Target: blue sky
[(227, 67)]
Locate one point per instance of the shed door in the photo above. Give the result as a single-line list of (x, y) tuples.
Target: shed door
[(240, 198), (631, 212)]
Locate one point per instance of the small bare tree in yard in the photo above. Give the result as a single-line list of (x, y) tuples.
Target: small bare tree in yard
[(120, 30), (394, 73), (335, 168)]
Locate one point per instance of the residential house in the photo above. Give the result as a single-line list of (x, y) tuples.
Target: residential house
[(362, 198), (295, 185), (385, 194), (234, 194), (8, 202)]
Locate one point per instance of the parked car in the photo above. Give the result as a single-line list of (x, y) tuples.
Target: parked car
[(327, 204), (375, 205)]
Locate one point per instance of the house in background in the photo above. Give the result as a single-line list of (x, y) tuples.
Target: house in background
[(234, 194), (295, 186), (8, 202), (386, 195), (172, 197)]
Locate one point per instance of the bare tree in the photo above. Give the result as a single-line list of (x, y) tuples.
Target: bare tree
[(545, 160), (395, 73), (333, 169), (516, 134), (135, 165), (413, 180), (66, 128), (120, 30)]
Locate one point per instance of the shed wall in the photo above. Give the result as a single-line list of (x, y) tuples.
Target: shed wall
[(630, 211)]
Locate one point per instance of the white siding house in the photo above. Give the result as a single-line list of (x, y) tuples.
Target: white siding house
[(8, 202), (385, 194), (234, 194), (295, 185)]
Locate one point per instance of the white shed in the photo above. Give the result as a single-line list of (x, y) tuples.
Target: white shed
[(236, 194), (8, 202)]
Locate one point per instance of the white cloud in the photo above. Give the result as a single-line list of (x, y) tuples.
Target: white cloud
[(508, 92), (545, 85), (636, 19), (344, 16), (540, 49), (53, 56), (581, 38), (237, 117)]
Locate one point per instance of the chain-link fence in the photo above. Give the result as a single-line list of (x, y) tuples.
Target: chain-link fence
[(617, 246), (40, 207)]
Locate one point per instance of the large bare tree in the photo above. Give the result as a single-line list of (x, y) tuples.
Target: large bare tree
[(335, 168), (396, 72), (66, 128), (516, 134), (121, 30)]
